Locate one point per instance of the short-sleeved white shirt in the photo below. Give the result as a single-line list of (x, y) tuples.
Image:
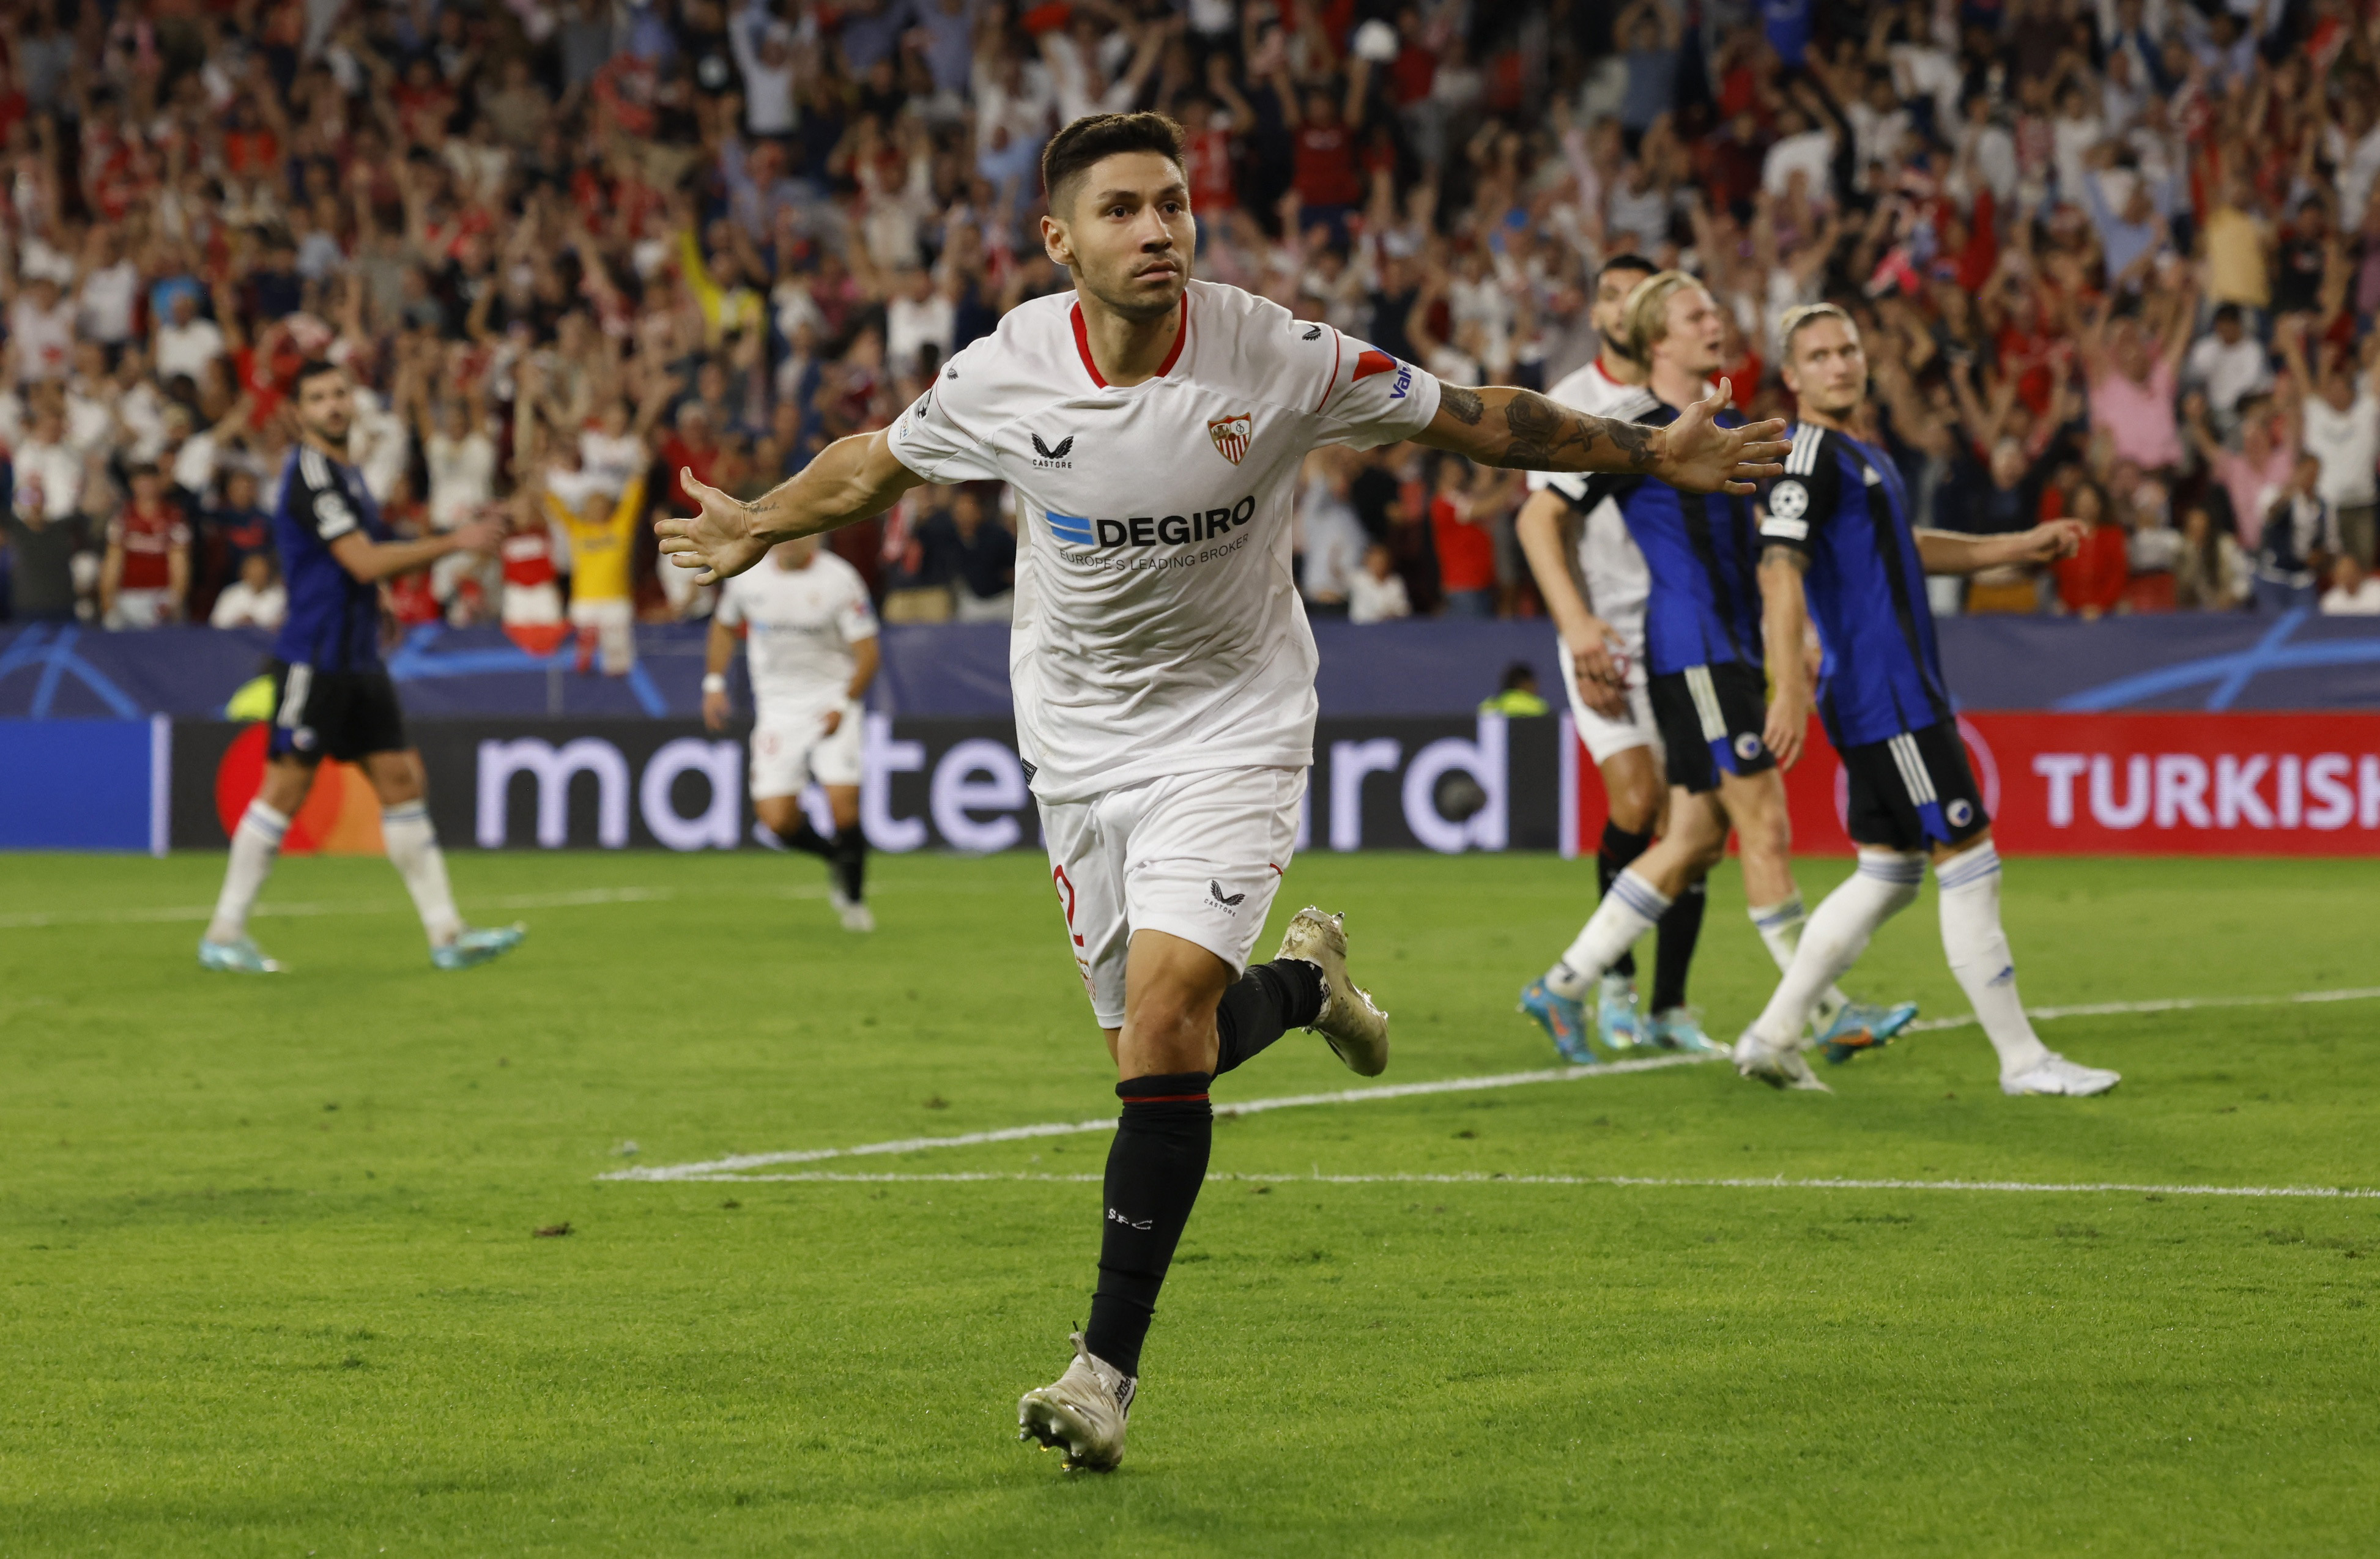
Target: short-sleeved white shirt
[(1158, 631), (801, 625), (1617, 580)]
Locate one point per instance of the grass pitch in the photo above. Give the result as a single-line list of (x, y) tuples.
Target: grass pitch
[(271, 1285)]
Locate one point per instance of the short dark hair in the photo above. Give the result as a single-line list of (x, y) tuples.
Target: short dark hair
[(1520, 673), (1626, 262), (313, 368), (1073, 151), (2227, 313)]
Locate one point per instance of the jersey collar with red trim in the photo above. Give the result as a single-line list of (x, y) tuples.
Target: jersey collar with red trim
[(1083, 343)]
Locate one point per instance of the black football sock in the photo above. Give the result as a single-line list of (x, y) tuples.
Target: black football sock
[(1620, 848), (849, 855), (1680, 926), (1155, 1168), (804, 838), (1265, 1002)]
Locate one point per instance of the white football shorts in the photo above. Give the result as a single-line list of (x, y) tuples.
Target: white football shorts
[(1606, 738), (1198, 856), (790, 748)]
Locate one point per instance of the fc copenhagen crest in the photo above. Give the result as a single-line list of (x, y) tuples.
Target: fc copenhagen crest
[(1232, 434)]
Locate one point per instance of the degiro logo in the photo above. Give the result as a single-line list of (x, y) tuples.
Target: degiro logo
[(1151, 530)]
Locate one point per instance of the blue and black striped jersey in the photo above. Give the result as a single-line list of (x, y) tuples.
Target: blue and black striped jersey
[(1701, 553), (1843, 503), (334, 622)]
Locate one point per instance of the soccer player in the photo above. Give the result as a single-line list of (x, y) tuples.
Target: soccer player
[(331, 697), (1837, 542), (1595, 582), (1705, 686), (1152, 429), (814, 652)]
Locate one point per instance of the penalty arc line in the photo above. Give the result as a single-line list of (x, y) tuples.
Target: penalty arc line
[(1778, 1182), (734, 1165)]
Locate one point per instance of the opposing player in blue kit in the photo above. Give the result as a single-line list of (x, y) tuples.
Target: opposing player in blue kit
[(1837, 544), (1705, 638)]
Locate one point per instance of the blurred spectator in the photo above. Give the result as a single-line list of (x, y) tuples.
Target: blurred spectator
[(1466, 552), (47, 533), (1375, 594), (2297, 542), (1517, 693), (2342, 428), (144, 580), (255, 600), (2213, 573), (2227, 364), (981, 553), (2352, 593), (2092, 582)]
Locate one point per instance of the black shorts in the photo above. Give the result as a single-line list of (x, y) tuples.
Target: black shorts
[(342, 715), (1913, 790), (1711, 718)]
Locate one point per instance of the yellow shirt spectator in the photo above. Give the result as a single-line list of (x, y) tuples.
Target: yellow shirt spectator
[(2236, 271), (600, 519)]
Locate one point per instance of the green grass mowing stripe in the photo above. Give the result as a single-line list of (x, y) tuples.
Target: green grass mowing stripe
[(732, 1165), (1653, 1182)]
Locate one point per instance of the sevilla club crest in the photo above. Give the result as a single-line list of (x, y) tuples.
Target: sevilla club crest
[(1232, 435)]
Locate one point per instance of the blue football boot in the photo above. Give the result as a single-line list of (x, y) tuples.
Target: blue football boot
[(1680, 1028), (1563, 1019), (1616, 1020), (478, 945), (1863, 1026), (242, 957)]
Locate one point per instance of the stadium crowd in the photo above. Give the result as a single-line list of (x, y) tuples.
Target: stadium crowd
[(2116, 259)]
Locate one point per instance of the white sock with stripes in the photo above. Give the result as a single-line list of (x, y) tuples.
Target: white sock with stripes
[(1780, 927), (413, 849), (1979, 955), (1626, 913), (1831, 942), (255, 844)]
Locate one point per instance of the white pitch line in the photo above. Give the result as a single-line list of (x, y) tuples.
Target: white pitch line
[(827, 1177), (733, 1164), (174, 913)]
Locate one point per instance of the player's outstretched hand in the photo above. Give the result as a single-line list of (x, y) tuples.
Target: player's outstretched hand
[(479, 535), (719, 540), (1788, 729), (2048, 542), (1698, 455)]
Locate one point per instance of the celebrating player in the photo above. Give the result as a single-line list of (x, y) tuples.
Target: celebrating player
[(814, 652), (1836, 541), (1703, 652), (1152, 429), (332, 696)]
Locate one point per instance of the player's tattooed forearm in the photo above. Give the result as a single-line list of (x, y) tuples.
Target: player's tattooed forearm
[(1791, 557), (1462, 404), (1546, 437)]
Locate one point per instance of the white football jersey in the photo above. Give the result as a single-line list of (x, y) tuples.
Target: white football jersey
[(801, 624), (1158, 631), (1617, 580)]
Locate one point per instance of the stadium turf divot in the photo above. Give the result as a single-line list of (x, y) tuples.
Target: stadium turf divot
[(734, 1166)]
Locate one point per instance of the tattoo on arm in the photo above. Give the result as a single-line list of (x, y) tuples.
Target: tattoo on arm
[(1791, 557), (1543, 436)]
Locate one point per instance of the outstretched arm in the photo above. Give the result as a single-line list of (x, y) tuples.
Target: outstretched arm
[(1547, 527), (852, 479), (1521, 429), (1944, 551)]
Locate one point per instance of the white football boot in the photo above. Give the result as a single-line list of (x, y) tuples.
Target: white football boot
[(1356, 1031), (1755, 1057), (1082, 1413), (2055, 1074)]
